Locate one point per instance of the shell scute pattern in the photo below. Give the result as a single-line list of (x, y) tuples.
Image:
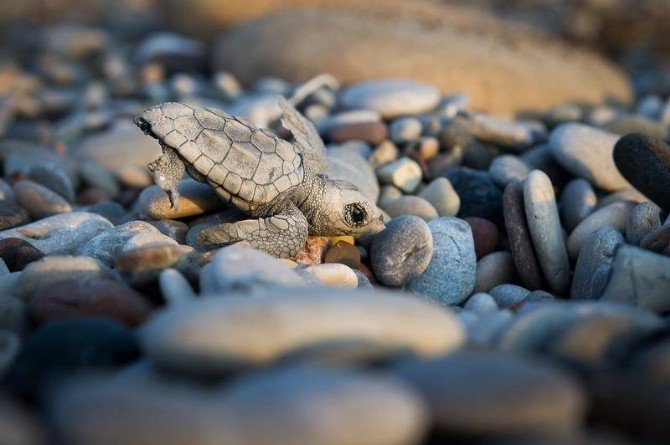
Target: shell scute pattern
[(248, 166)]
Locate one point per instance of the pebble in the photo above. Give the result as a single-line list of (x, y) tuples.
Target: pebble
[(89, 298), (211, 335), (507, 168), (10, 345), (39, 200), (622, 195), (391, 97), (384, 153), (54, 178), (586, 152), (485, 330), (518, 233), (466, 390), (594, 264), (65, 347), (17, 253), (643, 219), (481, 303), (494, 269), (236, 268), (485, 234), (196, 199), (18, 426), (60, 234), (13, 315), (578, 200), (628, 124), (479, 195), (544, 226), (174, 287), (402, 251), (509, 295), (334, 275), (615, 215), (640, 278), (441, 194), (404, 173), (12, 215), (451, 274), (141, 266), (645, 162), (106, 246), (411, 205), (516, 135), (657, 240), (343, 253), (371, 132), (405, 129), (95, 175), (52, 269), (174, 229)]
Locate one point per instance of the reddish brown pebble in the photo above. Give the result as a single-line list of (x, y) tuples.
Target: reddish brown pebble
[(371, 132), (92, 196), (485, 234), (17, 253), (313, 251), (89, 298), (520, 242), (343, 253)]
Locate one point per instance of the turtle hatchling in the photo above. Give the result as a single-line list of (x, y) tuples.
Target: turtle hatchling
[(280, 184)]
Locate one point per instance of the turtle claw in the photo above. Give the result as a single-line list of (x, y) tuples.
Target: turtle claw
[(173, 195)]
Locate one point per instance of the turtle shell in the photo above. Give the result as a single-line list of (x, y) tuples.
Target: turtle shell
[(246, 165)]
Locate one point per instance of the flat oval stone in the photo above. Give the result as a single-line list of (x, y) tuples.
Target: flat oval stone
[(54, 178), (239, 268), (371, 132), (391, 97), (451, 274), (515, 135), (594, 264), (544, 226), (586, 152), (39, 200), (494, 269), (641, 278), (89, 298), (643, 219), (17, 253), (411, 205), (645, 162), (466, 390), (60, 234), (196, 199), (441, 194), (578, 200), (212, 335), (52, 269), (402, 251), (507, 168), (520, 241), (614, 215), (106, 246)]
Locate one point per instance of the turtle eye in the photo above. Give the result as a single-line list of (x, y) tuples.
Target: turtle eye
[(356, 214)]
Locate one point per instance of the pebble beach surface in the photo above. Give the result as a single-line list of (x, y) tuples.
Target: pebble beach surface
[(519, 293)]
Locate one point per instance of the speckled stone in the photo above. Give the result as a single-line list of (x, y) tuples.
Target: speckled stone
[(391, 97), (441, 194), (466, 390), (657, 240), (594, 265), (402, 251), (587, 153), (494, 269), (641, 278), (615, 215), (411, 205), (451, 274), (643, 219), (578, 200), (520, 241), (211, 335)]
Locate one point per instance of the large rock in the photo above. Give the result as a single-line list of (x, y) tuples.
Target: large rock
[(442, 45)]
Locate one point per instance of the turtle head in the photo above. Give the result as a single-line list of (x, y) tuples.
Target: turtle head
[(348, 211)]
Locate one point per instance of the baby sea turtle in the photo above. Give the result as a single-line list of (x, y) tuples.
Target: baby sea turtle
[(279, 183)]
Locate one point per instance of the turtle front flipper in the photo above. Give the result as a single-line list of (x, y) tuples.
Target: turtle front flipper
[(167, 171), (282, 235)]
